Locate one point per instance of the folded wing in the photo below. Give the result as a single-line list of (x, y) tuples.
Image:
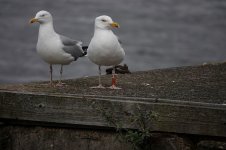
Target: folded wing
[(72, 47)]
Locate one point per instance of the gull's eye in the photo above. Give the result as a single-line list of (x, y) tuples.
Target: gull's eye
[(103, 20), (43, 15)]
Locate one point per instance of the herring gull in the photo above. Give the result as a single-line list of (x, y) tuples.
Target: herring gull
[(54, 48), (105, 48)]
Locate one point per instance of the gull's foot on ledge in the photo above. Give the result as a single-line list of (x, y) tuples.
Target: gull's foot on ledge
[(114, 87), (98, 87)]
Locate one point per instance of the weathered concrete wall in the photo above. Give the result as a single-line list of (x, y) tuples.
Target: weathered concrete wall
[(46, 138), (189, 103), (42, 138)]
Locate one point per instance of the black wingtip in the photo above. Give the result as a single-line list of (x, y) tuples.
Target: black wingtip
[(84, 48), (119, 69)]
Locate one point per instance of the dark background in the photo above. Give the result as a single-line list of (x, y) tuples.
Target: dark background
[(155, 34)]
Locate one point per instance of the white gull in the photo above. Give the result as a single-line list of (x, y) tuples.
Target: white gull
[(105, 48), (54, 48)]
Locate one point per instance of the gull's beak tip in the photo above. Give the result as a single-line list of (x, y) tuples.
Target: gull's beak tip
[(33, 20), (115, 24)]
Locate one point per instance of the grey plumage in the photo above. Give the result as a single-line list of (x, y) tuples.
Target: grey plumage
[(72, 47)]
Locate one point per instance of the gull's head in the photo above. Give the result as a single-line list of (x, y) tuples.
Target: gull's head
[(105, 22), (42, 17)]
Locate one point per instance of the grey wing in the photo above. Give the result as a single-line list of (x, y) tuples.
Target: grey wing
[(72, 47)]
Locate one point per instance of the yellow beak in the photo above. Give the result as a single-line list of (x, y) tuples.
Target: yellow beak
[(33, 20), (115, 24)]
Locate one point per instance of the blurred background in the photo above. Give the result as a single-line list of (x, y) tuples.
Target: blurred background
[(155, 34)]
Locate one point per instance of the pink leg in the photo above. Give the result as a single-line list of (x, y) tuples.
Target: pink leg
[(100, 86), (51, 74), (113, 81), (60, 84)]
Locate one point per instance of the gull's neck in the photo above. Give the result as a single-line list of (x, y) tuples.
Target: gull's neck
[(46, 29), (98, 30)]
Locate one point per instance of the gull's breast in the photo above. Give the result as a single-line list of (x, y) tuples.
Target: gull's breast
[(50, 50), (105, 50)]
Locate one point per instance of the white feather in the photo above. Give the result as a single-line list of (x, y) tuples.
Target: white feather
[(104, 48)]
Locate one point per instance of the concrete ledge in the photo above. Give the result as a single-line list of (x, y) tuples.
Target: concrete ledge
[(187, 100), (193, 83)]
